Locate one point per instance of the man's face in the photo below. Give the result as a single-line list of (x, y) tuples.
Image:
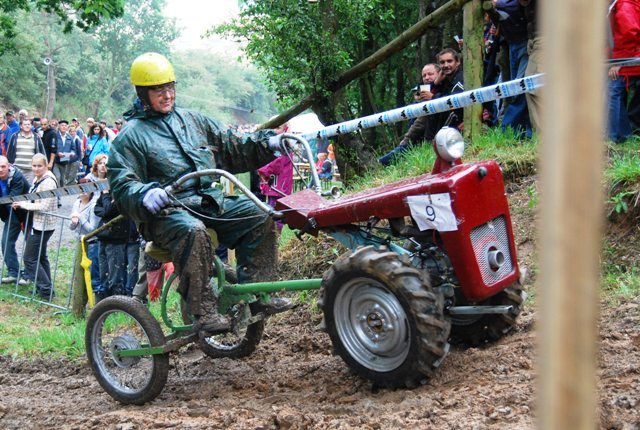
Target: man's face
[(119, 125), (9, 118), (53, 124), (429, 74), (163, 98), (4, 170), (63, 127), (448, 64), (25, 126), (45, 124)]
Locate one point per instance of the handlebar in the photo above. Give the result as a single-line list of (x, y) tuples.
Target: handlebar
[(177, 185), (307, 148), (218, 172)]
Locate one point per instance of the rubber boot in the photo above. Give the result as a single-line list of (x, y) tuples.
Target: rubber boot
[(261, 264), (210, 321)]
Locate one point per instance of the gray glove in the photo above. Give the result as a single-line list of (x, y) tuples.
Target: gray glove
[(155, 199)]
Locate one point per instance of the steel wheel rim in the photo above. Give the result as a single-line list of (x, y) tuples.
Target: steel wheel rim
[(372, 324), (128, 375)]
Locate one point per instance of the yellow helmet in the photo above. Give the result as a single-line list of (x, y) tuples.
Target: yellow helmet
[(151, 69)]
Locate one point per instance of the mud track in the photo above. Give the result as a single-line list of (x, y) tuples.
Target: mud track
[(294, 382)]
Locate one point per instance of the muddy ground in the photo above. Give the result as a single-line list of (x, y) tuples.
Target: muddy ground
[(293, 381)]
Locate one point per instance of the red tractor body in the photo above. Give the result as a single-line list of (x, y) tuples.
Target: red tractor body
[(478, 202)]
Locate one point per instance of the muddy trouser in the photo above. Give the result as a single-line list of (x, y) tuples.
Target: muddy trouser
[(241, 226), (142, 287), (534, 66)]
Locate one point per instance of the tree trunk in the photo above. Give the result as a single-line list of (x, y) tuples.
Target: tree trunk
[(423, 42), (51, 91), (472, 55)]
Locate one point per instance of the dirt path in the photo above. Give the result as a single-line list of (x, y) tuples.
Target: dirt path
[(294, 382)]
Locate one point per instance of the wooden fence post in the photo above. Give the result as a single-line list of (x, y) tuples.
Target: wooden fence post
[(571, 210), (472, 31)]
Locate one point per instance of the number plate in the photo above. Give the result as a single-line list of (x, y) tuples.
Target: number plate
[(433, 212)]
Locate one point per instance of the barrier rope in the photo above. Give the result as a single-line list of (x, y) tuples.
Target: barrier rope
[(69, 190), (443, 104)]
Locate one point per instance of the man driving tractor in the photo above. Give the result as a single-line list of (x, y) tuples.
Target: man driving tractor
[(159, 144)]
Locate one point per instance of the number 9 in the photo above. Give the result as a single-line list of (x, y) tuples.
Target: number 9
[(431, 213)]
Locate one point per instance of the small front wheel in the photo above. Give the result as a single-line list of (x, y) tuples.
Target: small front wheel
[(383, 318), (243, 340), (118, 324)]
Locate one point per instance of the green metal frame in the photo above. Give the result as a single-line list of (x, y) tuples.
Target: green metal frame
[(229, 295)]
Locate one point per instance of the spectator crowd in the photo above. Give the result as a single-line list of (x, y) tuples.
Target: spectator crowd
[(40, 154)]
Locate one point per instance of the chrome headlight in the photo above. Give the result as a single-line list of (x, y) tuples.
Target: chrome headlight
[(449, 144)]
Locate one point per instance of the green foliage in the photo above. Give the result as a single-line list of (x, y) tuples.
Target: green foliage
[(285, 236), (91, 69), (30, 330), (303, 47), (623, 175), (515, 156), (417, 161), (623, 169), (84, 14), (532, 192), (619, 201), (221, 87), (518, 157), (621, 283), (297, 50)]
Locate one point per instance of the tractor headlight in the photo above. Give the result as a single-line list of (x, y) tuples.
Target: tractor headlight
[(449, 144)]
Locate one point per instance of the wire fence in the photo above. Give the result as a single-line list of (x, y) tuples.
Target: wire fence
[(48, 273)]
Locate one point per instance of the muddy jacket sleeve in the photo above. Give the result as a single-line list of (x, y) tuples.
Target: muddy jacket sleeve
[(126, 171), (236, 152)]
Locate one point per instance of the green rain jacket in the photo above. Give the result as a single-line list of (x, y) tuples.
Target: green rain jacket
[(154, 149)]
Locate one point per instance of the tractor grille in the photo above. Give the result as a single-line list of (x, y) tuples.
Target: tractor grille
[(487, 237)]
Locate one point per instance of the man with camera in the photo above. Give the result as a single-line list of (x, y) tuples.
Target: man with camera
[(448, 81), (423, 92)]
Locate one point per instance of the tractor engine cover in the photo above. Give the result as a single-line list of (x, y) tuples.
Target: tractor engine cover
[(482, 249)]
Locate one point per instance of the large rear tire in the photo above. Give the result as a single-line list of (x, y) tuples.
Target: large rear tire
[(119, 323), (475, 331), (383, 318)]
